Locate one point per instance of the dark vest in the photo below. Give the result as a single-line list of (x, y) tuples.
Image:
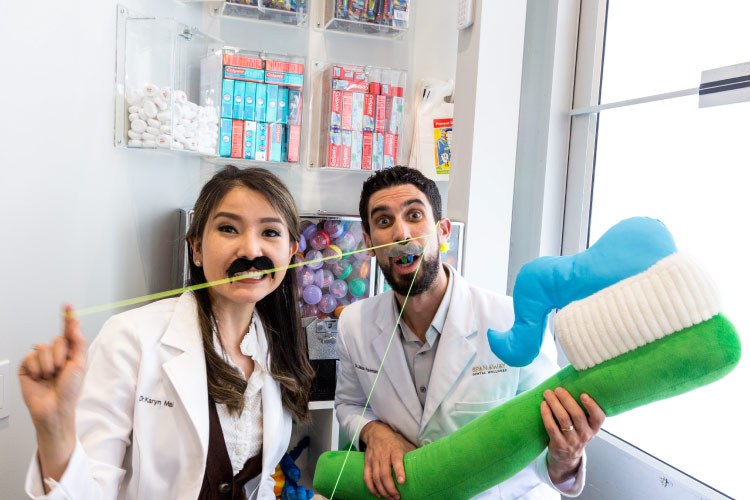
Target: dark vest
[(219, 482)]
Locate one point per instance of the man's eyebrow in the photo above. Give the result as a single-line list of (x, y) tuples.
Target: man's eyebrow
[(383, 208)]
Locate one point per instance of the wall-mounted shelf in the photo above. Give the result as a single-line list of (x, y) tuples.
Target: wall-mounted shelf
[(257, 11)]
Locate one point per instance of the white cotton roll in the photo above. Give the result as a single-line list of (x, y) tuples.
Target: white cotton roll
[(164, 116), (134, 109), (134, 135), (160, 103), (164, 141), (165, 129), (154, 122), (142, 115), (179, 128), (149, 108), (152, 90), (138, 125), (178, 136), (177, 145), (135, 143), (149, 144), (134, 116), (166, 93), (180, 96), (176, 113), (153, 130), (148, 136), (133, 96)]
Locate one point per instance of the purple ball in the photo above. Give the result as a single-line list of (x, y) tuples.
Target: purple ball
[(327, 303), (309, 310), (334, 228), (354, 299), (361, 254), (312, 294), (306, 277), (346, 242), (308, 229), (302, 244), (339, 289), (323, 278), (313, 257)]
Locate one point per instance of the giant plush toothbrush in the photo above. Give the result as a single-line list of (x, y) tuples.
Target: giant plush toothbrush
[(639, 322)]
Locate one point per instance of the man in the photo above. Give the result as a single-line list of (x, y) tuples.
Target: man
[(439, 373)]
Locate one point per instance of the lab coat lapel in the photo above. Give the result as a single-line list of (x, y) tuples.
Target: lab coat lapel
[(395, 367), (455, 349), (187, 371), (271, 400)]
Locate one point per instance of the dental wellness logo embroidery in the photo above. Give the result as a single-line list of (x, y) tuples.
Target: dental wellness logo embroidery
[(487, 369)]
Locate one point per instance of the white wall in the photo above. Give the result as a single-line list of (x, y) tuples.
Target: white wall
[(90, 224)]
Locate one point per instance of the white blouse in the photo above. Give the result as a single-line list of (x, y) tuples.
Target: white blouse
[(243, 434)]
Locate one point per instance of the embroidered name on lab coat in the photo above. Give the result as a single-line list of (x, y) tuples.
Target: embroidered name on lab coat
[(364, 368), (155, 402), (487, 369)]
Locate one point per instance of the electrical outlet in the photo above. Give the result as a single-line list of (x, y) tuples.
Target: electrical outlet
[(4, 381)]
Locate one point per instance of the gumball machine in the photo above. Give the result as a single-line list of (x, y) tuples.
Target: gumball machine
[(336, 272)]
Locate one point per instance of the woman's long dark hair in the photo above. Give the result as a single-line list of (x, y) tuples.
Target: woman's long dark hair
[(287, 343)]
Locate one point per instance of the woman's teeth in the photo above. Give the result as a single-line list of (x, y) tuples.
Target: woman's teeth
[(253, 275)]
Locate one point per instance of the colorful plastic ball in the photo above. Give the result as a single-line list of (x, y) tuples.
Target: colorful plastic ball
[(319, 240), (354, 299), (307, 229), (339, 288), (341, 269), (309, 310), (298, 258), (356, 229), (332, 253), (306, 277), (346, 242), (302, 243), (313, 259), (312, 294), (328, 303), (323, 278), (357, 287), (361, 253), (334, 228), (361, 269), (337, 312)]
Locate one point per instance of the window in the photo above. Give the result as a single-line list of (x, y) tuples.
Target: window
[(658, 154)]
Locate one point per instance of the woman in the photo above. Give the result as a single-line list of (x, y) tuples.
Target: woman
[(189, 397)]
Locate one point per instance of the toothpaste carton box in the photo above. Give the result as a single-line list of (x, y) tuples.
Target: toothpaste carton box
[(272, 98), (334, 148), (250, 133), (377, 151), (246, 74), (346, 110), (367, 150), (358, 106), (336, 109), (227, 98), (238, 112), (242, 61), (355, 158), (276, 139), (380, 103), (238, 131), (293, 144), (282, 108), (261, 142), (368, 114), (250, 89), (295, 107), (260, 101), (225, 138), (390, 150), (346, 148), (349, 85)]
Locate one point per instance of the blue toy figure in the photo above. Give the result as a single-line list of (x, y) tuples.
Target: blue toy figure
[(293, 491)]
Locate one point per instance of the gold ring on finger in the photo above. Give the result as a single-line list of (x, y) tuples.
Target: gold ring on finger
[(567, 429)]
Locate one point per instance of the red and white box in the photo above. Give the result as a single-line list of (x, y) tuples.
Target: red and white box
[(242, 61), (358, 108), (390, 150), (336, 109), (346, 110), (346, 148), (294, 138), (334, 148), (366, 150), (380, 103), (280, 66), (368, 114), (238, 138)]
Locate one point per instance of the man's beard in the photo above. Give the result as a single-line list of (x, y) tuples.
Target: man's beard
[(430, 268)]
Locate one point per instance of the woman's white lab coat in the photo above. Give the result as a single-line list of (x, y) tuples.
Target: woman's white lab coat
[(142, 419)]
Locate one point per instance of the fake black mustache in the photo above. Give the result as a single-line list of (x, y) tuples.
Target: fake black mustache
[(242, 265)]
